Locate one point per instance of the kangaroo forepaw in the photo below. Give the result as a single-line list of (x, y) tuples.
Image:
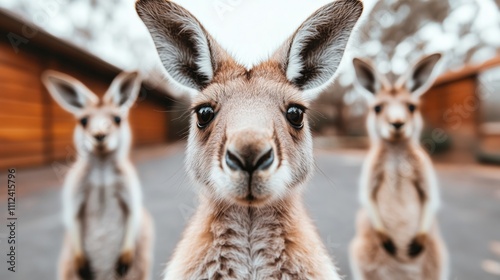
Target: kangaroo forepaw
[(416, 246), (124, 263), (387, 244), (389, 247), (83, 268)]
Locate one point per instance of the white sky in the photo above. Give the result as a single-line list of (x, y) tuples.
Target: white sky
[(251, 30)]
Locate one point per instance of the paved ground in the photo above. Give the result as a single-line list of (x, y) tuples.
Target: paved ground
[(470, 216)]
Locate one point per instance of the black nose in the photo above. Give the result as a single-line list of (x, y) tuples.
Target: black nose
[(235, 162), (99, 137), (397, 125)]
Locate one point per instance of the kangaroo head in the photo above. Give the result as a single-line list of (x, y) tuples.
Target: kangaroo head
[(249, 140), (394, 115), (102, 123)]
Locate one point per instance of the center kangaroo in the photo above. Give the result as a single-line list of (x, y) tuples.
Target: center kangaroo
[(108, 232), (397, 233), (249, 146)]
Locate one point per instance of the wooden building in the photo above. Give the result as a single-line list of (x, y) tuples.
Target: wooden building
[(454, 109), (34, 130)]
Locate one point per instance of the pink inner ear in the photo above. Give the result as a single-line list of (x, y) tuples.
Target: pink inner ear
[(421, 74), (70, 95), (68, 92)]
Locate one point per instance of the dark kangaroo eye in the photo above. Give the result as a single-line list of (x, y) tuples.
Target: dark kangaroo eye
[(117, 119), (295, 116), (412, 108), (378, 108), (205, 115), (83, 121)]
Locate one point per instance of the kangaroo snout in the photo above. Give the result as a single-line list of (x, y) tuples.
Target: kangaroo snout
[(397, 125), (249, 151), (252, 162), (99, 137)]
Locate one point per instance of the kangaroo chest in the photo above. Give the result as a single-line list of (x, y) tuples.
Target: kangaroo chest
[(103, 219), (250, 245), (398, 197)]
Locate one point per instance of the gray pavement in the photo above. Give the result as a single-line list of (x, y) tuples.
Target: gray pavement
[(470, 216)]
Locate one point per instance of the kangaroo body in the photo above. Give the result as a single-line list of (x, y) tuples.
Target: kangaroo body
[(397, 235), (103, 221), (399, 201)]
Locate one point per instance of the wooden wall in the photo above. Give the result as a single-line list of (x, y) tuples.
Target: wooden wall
[(34, 130), (453, 107)]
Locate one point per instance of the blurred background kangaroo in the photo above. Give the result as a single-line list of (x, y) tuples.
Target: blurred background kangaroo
[(109, 234), (397, 233)]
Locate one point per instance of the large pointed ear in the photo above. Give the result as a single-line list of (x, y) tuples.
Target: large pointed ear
[(421, 75), (123, 90), (187, 51), (68, 92), (368, 80), (310, 58)]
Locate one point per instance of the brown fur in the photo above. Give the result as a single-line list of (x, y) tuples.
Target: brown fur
[(217, 244)]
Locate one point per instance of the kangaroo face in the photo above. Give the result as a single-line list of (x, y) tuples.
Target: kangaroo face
[(102, 126), (249, 140), (394, 115), (394, 108), (100, 129)]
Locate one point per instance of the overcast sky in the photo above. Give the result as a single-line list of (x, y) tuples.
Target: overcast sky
[(251, 30)]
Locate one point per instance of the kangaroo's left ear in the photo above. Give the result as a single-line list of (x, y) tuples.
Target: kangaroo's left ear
[(68, 92), (123, 90), (368, 80), (420, 77), (310, 58)]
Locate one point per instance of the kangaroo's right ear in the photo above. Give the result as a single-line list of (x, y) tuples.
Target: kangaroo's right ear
[(187, 51), (124, 90), (420, 77), (311, 57), (368, 80), (68, 92)]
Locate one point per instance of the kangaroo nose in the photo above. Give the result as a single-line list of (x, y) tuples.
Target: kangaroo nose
[(397, 125), (251, 163), (99, 137)]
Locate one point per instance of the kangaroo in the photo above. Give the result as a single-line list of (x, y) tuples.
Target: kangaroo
[(109, 234), (249, 145), (397, 233)]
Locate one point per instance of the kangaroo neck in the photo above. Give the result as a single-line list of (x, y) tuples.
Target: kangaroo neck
[(250, 221)]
